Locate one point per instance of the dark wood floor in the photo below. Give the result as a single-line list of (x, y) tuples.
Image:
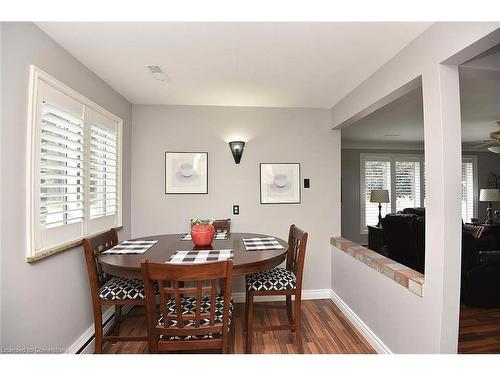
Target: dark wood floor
[(479, 330), (325, 330)]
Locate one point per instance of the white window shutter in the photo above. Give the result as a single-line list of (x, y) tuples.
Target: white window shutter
[(377, 175)]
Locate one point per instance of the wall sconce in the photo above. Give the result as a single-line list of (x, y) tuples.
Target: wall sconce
[(237, 150)]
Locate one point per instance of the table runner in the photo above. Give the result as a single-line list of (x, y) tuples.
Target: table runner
[(217, 236), (262, 243), (200, 256), (131, 247)]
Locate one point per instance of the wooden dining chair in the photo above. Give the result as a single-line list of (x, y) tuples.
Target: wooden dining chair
[(108, 290), (279, 281), (220, 225), (193, 311)]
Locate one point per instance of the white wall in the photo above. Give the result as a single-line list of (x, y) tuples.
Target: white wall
[(273, 135), (45, 304), (408, 323)]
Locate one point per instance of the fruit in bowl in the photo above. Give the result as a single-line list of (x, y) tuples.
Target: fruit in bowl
[(202, 232)]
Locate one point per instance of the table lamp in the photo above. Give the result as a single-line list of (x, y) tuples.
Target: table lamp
[(379, 196), (489, 195)]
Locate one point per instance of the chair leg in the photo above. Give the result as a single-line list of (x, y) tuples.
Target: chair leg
[(289, 311), (249, 323), (98, 330), (118, 320), (245, 318), (298, 324)]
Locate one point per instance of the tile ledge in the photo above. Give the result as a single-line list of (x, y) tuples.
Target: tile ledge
[(403, 275)]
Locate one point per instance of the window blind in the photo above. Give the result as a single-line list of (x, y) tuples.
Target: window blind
[(467, 190), (377, 175), (103, 171), (407, 175), (61, 167)]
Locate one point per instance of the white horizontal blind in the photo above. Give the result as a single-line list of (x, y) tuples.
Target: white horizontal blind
[(103, 171), (377, 175), (61, 167), (467, 191), (407, 176)]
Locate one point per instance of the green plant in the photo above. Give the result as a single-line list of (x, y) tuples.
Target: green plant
[(199, 221)]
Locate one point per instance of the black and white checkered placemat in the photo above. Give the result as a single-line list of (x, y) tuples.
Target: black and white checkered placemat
[(201, 256), (217, 236), (262, 243), (131, 247)]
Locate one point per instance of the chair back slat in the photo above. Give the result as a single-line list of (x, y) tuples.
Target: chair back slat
[(297, 243), (176, 282), (92, 248)]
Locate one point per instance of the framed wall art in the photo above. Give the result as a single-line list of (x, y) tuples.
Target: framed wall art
[(279, 183), (186, 173)]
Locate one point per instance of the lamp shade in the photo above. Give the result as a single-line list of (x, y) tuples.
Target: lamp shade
[(489, 195), (379, 196), (237, 150)]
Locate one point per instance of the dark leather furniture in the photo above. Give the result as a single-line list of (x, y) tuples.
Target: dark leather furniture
[(405, 239), (480, 277)]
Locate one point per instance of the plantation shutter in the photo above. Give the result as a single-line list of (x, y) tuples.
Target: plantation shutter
[(407, 175), (104, 164), (61, 168), (377, 175), (467, 190)]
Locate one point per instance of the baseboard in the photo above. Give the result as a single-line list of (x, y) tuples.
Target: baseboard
[(239, 297), (85, 344), (367, 333)]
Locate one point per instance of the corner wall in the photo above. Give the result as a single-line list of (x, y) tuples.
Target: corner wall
[(413, 324), (272, 135), (45, 304)]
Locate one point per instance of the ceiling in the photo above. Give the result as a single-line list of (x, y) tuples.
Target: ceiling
[(310, 65), (400, 124)]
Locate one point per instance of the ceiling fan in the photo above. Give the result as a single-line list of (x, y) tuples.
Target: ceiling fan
[(492, 145)]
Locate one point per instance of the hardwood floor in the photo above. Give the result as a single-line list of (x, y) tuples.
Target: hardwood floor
[(325, 330), (479, 330)]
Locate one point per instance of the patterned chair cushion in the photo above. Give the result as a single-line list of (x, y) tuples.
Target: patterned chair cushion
[(188, 305), (122, 288), (273, 279)]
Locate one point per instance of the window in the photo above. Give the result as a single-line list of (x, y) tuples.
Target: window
[(403, 176), (74, 171), (469, 188)]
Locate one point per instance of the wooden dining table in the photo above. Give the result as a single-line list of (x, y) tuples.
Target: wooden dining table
[(245, 262)]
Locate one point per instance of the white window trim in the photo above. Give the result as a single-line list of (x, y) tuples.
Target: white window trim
[(37, 75), (384, 157)]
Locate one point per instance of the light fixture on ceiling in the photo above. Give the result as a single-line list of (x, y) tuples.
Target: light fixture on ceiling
[(157, 72), (495, 149)]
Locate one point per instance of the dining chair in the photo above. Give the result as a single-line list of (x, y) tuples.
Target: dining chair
[(279, 281), (193, 312), (108, 290), (220, 225)]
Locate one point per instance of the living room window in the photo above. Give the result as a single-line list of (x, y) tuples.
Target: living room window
[(403, 176), (74, 171)]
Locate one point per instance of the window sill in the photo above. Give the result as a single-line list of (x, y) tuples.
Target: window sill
[(408, 278), (56, 250)]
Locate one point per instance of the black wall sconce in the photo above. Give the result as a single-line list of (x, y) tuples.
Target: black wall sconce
[(237, 150)]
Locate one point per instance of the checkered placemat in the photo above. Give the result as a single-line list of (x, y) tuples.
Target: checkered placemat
[(217, 236), (201, 256), (131, 247), (262, 243)]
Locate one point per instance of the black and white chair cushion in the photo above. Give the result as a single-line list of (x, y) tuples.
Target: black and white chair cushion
[(273, 279), (122, 288), (188, 305)]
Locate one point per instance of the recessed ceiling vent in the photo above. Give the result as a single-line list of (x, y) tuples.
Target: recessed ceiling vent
[(157, 72)]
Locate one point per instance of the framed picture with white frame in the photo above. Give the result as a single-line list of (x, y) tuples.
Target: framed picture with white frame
[(279, 183), (186, 173)]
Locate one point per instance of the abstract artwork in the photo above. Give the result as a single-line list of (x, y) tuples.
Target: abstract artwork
[(279, 183), (186, 173)]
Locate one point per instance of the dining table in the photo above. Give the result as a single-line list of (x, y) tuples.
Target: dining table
[(244, 261)]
